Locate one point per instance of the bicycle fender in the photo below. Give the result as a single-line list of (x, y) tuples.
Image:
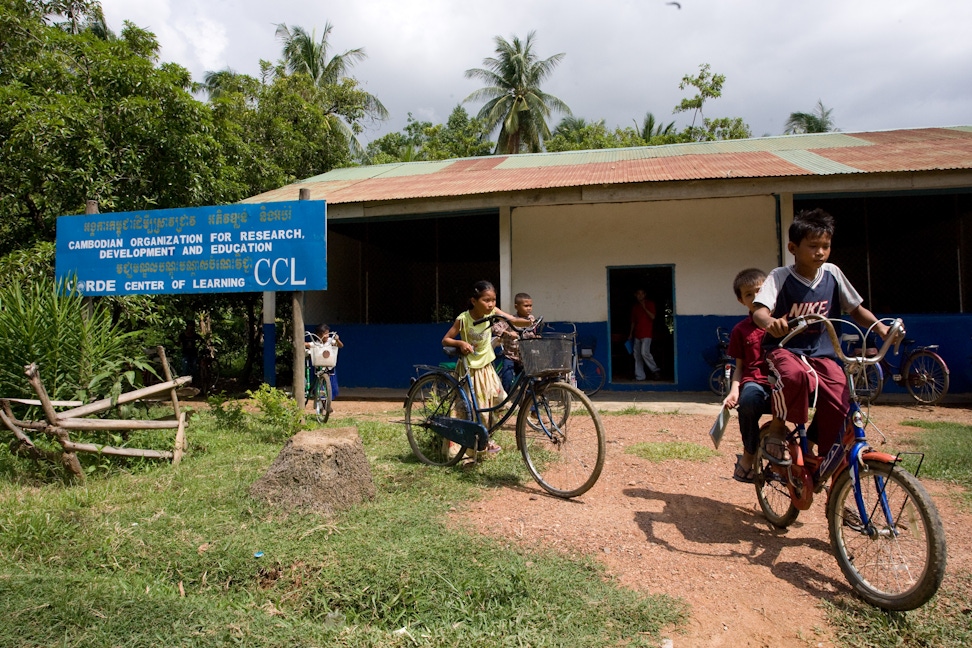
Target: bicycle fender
[(881, 457)]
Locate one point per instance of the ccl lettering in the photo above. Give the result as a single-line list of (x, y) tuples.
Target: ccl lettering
[(276, 271)]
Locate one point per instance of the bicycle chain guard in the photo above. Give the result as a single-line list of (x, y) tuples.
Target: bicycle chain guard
[(468, 434), (799, 480)]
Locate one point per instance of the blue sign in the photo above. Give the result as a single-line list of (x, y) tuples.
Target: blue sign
[(229, 248)]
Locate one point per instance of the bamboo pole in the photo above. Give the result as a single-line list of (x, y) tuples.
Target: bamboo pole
[(167, 372), (127, 397)]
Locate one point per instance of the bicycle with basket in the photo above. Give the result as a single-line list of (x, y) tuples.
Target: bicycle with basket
[(587, 373), (323, 356), (558, 431)]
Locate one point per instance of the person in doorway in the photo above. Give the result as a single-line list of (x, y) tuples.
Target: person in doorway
[(474, 341), (510, 340), (642, 330), (749, 391)]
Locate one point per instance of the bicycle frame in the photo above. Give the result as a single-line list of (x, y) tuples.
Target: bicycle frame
[(852, 449), (522, 388)]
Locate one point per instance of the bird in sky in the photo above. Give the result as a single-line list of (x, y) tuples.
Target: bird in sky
[(675, 4)]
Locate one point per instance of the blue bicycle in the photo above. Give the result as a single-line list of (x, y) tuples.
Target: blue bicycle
[(558, 431), (884, 527)]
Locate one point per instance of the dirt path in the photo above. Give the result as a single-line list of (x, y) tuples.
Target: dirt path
[(687, 529)]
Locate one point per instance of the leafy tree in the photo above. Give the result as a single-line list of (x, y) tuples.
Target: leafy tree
[(576, 134), (304, 54), (708, 86), (460, 136), (817, 121), (82, 118), (514, 99), (651, 129)]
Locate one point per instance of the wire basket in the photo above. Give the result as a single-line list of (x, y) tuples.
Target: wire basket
[(323, 355), (547, 355)]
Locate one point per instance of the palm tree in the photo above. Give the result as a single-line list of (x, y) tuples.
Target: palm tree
[(650, 128), (514, 100), (818, 121), (303, 53)]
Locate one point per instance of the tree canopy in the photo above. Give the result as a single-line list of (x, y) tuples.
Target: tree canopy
[(817, 121), (515, 101)]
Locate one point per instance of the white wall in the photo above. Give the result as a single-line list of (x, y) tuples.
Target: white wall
[(560, 254)]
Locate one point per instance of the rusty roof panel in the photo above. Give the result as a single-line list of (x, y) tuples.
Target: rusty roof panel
[(797, 155)]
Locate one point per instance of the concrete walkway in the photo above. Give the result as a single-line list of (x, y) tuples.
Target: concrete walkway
[(682, 402), (705, 403)]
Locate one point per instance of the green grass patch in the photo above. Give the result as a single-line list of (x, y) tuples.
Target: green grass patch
[(665, 450), (943, 622), (948, 453), (148, 555)]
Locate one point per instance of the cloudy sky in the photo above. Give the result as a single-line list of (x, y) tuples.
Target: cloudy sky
[(878, 64)]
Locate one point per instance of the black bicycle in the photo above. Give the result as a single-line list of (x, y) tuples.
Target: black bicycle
[(558, 431), (920, 370)]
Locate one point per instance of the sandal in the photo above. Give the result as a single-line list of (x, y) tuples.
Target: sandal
[(743, 475), (493, 448), (775, 451)]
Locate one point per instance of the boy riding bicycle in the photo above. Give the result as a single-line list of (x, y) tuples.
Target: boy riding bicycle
[(809, 364)]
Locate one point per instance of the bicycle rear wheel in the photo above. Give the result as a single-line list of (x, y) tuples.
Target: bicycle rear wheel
[(322, 397), (566, 455), (432, 396), (590, 375), (899, 561), (926, 377), (772, 492)]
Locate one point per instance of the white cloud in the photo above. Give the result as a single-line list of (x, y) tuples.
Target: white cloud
[(877, 64)]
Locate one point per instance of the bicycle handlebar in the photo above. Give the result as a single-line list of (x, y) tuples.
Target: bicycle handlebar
[(896, 333), (492, 319)]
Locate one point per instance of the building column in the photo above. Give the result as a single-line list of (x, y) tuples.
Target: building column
[(784, 222), (506, 258)]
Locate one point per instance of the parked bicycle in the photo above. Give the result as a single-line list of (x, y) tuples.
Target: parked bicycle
[(587, 373), (920, 370), (558, 431), (317, 376), (884, 527), (720, 380)]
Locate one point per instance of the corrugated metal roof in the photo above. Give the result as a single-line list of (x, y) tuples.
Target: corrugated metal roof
[(926, 149)]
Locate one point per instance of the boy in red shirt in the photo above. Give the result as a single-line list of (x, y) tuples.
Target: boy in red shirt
[(750, 389)]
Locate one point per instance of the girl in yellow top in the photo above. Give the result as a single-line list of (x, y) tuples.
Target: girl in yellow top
[(475, 342)]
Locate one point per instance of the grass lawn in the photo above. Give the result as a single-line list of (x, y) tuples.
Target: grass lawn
[(148, 555)]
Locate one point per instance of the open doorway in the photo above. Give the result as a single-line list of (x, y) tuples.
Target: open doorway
[(658, 282)]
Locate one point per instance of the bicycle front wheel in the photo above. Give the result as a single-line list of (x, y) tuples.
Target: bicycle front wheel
[(590, 375), (322, 398), (566, 455), (926, 377), (431, 397), (898, 561), (868, 383)]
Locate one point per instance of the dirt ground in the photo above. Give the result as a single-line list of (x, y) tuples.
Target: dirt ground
[(686, 529)]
